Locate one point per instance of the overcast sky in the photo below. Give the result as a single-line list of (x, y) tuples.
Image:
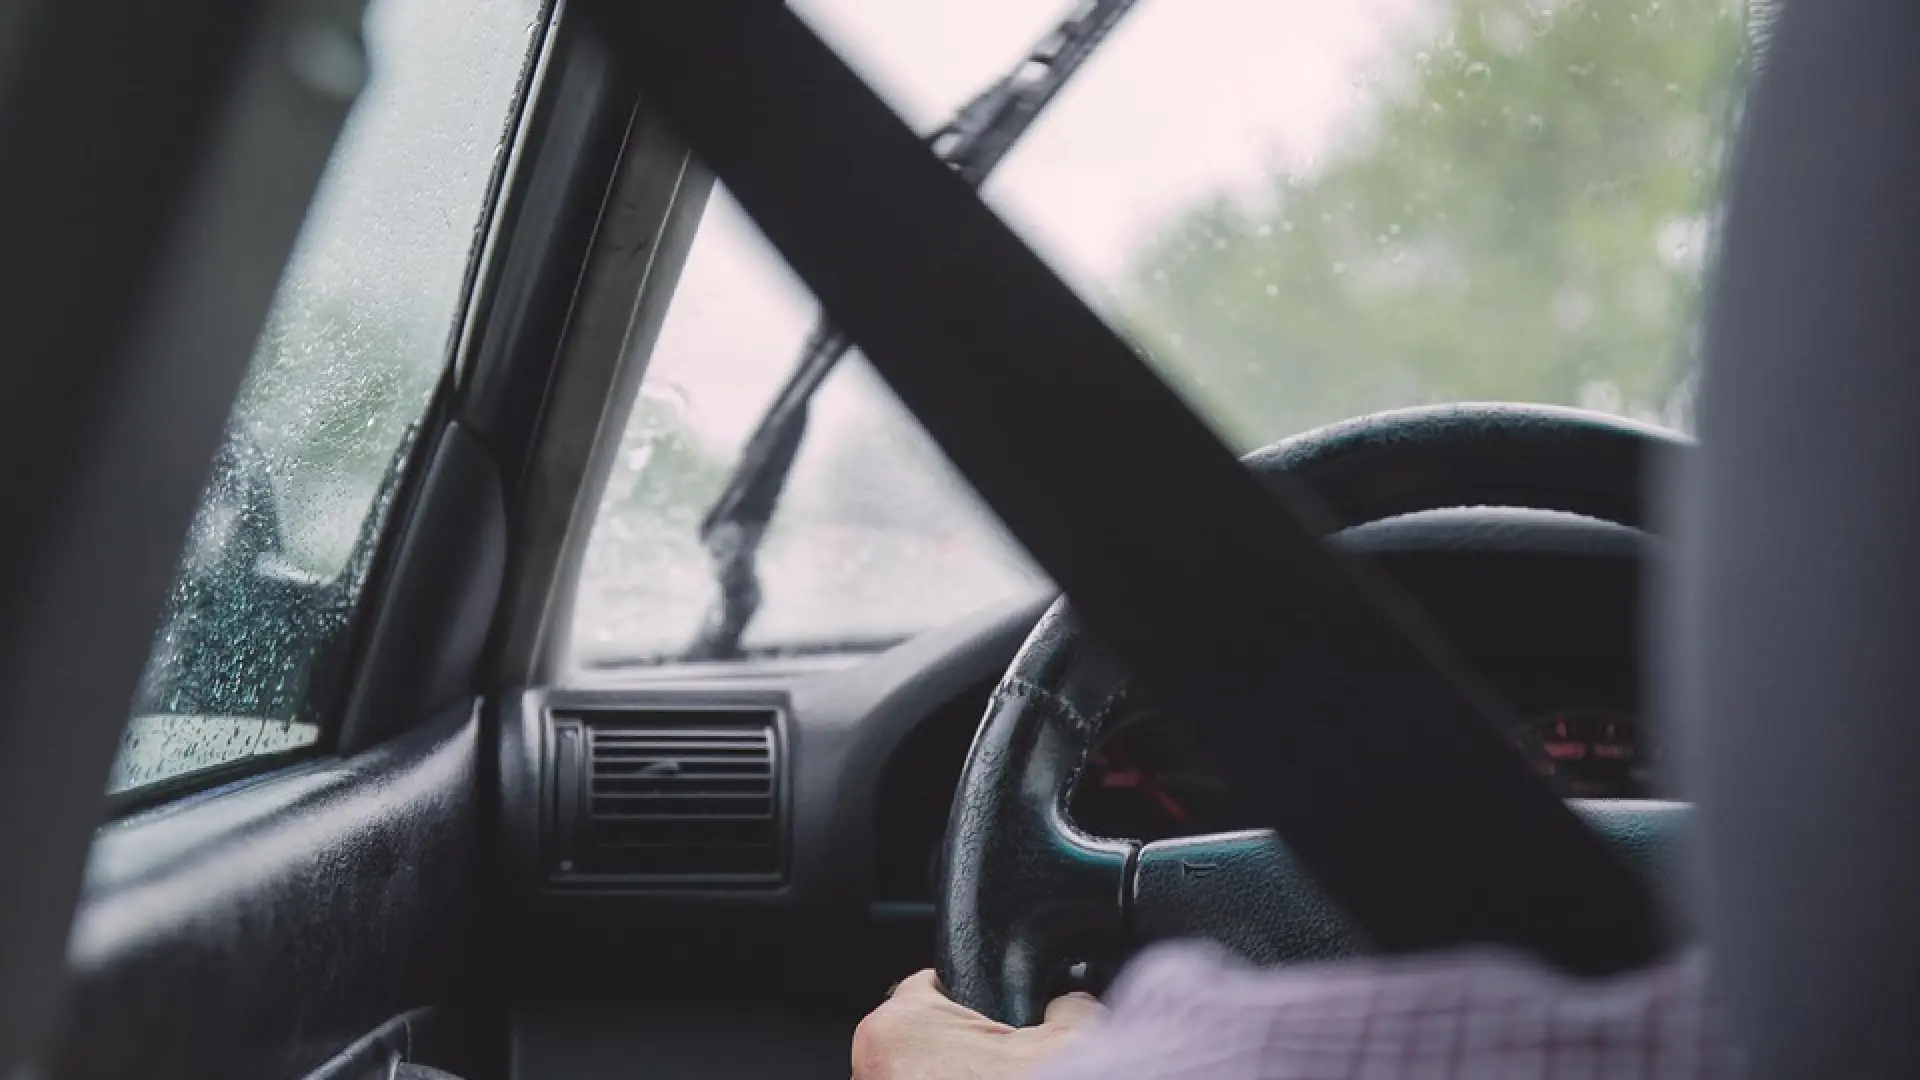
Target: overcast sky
[(1189, 97)]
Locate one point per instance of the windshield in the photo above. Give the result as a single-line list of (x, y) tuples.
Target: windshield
[(1298, 211)]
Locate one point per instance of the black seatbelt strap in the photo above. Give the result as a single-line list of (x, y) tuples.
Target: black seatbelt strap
[(1321, 702)]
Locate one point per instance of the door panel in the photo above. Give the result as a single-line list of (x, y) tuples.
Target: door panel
[(258, 930), (319, 909)]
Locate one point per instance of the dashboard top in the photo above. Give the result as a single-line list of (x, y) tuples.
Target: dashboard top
[(1545, 604)]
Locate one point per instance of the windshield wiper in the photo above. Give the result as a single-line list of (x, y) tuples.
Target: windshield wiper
[(972, 143)]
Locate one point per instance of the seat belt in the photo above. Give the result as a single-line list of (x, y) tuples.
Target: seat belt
[(1309, 681)]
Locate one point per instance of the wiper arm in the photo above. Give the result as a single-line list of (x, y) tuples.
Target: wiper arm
[(973, 143)]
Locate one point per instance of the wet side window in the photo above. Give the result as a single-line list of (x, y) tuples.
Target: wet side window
[(254, 635)]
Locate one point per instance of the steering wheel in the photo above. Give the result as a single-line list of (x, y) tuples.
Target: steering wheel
[(1022, 887)]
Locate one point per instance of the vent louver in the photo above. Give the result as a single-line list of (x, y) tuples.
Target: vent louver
[(672, 797)]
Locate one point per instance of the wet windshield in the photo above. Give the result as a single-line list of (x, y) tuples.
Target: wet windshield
[(1298, 211)]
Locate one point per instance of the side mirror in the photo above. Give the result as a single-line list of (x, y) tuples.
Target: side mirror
[(238, 525), (239, 634)]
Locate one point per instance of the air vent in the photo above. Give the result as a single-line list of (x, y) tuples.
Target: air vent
[(669, 797)]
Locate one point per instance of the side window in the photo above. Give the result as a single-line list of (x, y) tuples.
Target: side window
[(254, 631), (875, 537)]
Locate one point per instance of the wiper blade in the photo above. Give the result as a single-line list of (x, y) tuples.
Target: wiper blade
[(972, 143)]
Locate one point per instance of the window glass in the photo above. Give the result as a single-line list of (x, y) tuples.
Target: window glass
[(876, 536), (356, 340), (1297, 211)]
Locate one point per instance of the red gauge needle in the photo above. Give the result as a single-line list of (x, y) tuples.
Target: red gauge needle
[(1121, 772), (1166, 800)]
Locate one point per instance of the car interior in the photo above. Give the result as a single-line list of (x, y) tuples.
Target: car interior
[(398, 682)]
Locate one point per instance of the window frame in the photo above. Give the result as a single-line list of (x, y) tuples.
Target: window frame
[(332, 692)]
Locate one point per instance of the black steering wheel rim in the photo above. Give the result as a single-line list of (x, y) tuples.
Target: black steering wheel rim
[(1021, 883)]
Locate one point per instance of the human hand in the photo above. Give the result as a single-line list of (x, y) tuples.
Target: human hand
[(921, 1034)]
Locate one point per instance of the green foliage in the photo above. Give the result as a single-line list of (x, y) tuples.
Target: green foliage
[(1523, 216), (1521, 211)]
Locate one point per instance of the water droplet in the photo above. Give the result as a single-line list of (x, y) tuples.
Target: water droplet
[(1264, 230), (1286, 226), (1393, 230), (1273, 290), (1535, 126), (1479, 70), (1339, 268)]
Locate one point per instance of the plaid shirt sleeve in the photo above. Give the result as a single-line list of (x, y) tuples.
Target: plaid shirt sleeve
[(1189, 1011)]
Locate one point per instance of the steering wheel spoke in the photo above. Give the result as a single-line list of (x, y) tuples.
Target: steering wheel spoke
[(1242, 890), (1247, 893)]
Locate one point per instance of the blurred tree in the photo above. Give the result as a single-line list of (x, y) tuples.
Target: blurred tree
[(663, 467), (1522, 214), (341, 374)]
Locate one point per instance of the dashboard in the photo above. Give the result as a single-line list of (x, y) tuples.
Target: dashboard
[(849, 765), (706, 842)]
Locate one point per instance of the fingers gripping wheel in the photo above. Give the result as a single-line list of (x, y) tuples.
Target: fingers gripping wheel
[(1022, 886)]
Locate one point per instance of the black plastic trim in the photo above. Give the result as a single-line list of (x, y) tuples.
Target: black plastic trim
[(260, 931), (572, 144), (841, 725), (562, 828), (429, 628)]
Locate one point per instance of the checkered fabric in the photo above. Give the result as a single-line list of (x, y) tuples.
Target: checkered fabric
[(1189, 1011)]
